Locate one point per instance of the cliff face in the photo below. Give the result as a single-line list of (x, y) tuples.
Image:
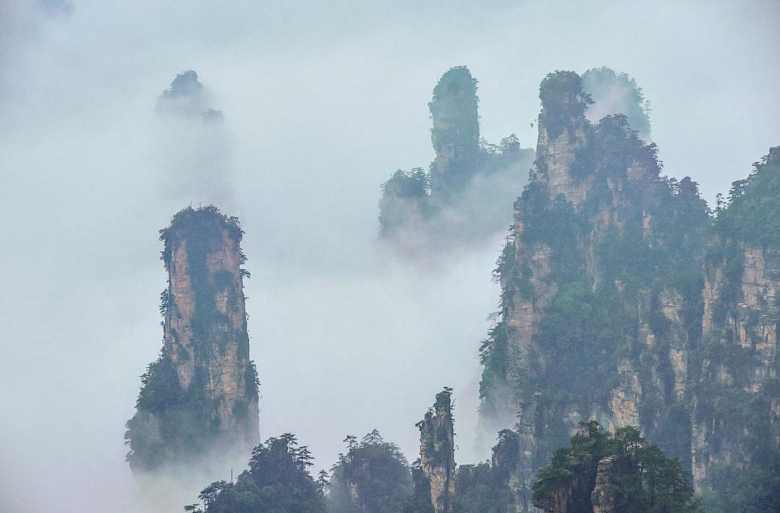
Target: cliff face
[(201, 395), (736, 401), (606, 311), (437, 452)]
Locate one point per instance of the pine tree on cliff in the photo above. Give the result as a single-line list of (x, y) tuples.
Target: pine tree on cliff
[(200, 397), (278, 481), (372, 477), (599, 473)]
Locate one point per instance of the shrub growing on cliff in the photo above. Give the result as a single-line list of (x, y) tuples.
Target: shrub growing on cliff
[(405, 202), (420, 499), (753, 211)]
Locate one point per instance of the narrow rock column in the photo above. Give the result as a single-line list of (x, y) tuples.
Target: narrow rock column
[(437, 451), (455, 133), (200, 397)]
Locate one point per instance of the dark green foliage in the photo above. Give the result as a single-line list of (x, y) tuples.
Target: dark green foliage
[(752, 490), (420, 499), (376, 472), (278, 481), (642, 478), (611, 148), (618, 93), (170, 422), (493, 351), (455, 133), (484, 488), (753, 211), (555, 224), (563, 102), (581, 336), (476, 486)]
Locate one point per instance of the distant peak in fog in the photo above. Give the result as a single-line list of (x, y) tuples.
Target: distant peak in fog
[(187, 97)]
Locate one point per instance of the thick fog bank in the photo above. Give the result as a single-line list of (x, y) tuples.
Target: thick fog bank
[(321, 104)]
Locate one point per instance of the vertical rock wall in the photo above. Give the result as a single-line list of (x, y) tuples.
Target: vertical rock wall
[(737, 403), (597, 315), (437, 452), (200, 397)]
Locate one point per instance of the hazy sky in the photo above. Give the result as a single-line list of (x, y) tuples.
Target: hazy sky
[(322, 101)]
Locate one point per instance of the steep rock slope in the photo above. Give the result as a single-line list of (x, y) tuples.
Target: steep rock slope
[(601, 286), (434, 473), (201, 396), (736, 396)]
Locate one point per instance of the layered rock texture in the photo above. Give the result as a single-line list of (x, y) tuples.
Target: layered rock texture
[(437, 452), (621, 303), (465, 194), (200, 398)]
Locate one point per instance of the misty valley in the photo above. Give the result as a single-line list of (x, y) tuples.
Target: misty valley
[(412, 259), (631, 365)]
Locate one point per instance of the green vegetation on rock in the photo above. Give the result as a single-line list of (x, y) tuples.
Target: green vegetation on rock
[(372, 477), (278, 481), (620, 473)]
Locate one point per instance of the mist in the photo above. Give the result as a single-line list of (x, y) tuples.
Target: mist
[(321, 103)]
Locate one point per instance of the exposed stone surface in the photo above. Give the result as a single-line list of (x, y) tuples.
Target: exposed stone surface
[(601, 497), (750, 328), (437, 452), (206, 344), (607, 198)]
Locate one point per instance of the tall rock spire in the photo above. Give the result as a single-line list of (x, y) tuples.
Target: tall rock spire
[(201, 396), (455, 133), (437, 451)]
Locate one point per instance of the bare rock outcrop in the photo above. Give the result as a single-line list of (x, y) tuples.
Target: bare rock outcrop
[(200, 397), (437, 452)]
